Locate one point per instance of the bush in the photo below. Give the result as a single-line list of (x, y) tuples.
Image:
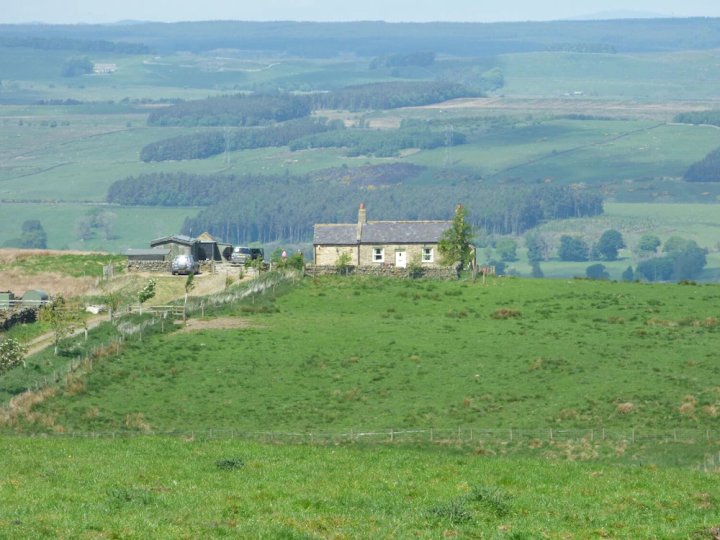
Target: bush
[(12, 354)]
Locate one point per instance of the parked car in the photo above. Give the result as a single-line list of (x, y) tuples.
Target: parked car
[(243, 255), (184, 264)]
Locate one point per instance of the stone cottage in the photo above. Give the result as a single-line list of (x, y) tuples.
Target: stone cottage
[(379, 243)]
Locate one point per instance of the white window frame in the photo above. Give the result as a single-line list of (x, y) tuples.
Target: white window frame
[(428, 255), (378, 255)]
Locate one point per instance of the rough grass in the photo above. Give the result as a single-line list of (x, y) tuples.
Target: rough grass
[(170, 488)]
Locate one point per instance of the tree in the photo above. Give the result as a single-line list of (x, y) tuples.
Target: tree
[(343, 263), (61, 319), (536, 270), (656, 269), (33, 235), (507, 249), (628, 274), (537, 247), (648, 243), (455, 245), (609, 244), (596, 271), (572, 248)]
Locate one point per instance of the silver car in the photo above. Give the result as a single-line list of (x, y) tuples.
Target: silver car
[(184, 264)]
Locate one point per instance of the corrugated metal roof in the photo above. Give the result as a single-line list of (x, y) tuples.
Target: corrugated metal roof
[(341, 234)]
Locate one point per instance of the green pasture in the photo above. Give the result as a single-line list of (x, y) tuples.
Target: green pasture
[(653, 76), (364, 354), (171, 488), (130, 226)]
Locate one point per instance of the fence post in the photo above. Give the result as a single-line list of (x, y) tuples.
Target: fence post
[(511, 433), (431, 435), (392, 434)]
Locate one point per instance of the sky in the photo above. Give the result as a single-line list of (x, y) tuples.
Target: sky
[(108, 11)]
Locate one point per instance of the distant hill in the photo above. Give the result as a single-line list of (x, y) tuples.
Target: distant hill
[(375, 38)]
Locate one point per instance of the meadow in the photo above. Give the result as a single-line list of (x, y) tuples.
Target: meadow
[(173, 488), (336, 356), (528, 354)]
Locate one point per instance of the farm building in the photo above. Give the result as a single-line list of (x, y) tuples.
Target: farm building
[(34, 298), (376, 243), (202, 248), (176, 244)]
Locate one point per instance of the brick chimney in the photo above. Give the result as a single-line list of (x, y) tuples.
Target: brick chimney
[(362, 219)]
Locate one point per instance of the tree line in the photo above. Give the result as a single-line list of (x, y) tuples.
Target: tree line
[(211, 143), (267, 208), (711, 117), (82, 45), (237, 110), (385, 143), (260, 109)]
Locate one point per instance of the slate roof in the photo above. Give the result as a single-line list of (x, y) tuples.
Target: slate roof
[(341, 234), (381, 232)]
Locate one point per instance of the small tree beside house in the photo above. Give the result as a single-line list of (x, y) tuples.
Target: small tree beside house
[(455, 245)]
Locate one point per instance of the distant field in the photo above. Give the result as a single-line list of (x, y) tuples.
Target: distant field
[(653, 76), (131, 226)]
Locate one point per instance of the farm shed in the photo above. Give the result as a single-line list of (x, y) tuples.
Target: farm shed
[(159, 254), (377, 243), (6, 299), (177, 244), (209, 249), (35, 297)]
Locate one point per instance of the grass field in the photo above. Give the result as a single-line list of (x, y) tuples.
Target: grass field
[(131, 226), (659, 77), (513, 353), (169, 488)]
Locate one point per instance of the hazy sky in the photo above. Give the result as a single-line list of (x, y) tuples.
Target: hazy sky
[(93, 11)]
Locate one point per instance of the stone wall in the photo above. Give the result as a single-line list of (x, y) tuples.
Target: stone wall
[(431, 272), (149, 266), (163, 267), (11, 317)]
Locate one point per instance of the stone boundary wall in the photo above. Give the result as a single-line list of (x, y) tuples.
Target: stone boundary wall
[(434, 272), (163, 267), (9, 318), (149, 266)]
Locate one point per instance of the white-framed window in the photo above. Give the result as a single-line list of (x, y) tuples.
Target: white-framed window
[(427, 255), (378, 255)]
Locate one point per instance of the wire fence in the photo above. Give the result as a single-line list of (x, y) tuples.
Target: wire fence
[(459, 435)]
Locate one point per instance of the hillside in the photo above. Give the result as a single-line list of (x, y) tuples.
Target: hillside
[(353, 407), (406, 355)]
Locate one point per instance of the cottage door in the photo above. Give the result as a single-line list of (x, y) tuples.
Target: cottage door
[(400, 259)]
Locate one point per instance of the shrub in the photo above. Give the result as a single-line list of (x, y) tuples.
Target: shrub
[(12, 354), (506, 313)]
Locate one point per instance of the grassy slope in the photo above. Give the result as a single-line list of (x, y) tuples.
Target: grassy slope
[(343, 354), (175, 489)]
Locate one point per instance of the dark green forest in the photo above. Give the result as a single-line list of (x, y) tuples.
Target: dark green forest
[(386, 143), (211, 143), (711, 117), (239, 110), (705, 170), (238, 209)]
